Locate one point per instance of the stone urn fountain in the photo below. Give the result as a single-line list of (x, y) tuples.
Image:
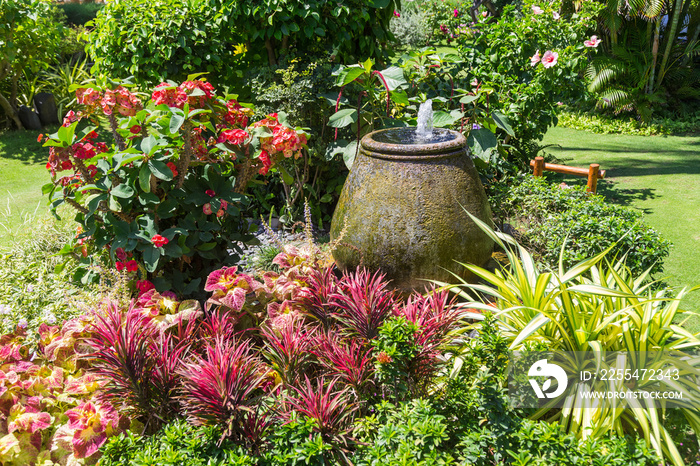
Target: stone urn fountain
[(401, 207)]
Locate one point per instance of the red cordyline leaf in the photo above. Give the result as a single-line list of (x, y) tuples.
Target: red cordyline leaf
[(331, 409), (349, 361), (138, 364), (287, 348), (363, 303), (220, 323), (315, 302), (220, 388)]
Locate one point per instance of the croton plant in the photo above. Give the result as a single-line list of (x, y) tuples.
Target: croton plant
[(159, 181)]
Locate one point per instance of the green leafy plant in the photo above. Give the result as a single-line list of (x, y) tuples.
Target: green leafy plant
[(165, 39), (347, 30), (177, 443), (391, 98), (591, 307)]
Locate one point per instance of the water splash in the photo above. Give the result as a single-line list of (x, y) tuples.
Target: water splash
[(424, 128)]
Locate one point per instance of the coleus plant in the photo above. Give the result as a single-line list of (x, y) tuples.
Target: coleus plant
[(164, 197), (48, 410)]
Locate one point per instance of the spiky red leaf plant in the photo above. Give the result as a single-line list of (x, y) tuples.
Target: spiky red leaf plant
[(436, 316), (315, 300), (287, 348), (222, 387), (347, 360), (138, 365), (332, 409), (364, 302), (220, 322)]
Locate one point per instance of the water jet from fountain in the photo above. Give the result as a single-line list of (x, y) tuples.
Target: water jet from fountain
[(424, 126)]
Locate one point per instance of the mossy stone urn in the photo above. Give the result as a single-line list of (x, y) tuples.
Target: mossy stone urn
[(401, 208)]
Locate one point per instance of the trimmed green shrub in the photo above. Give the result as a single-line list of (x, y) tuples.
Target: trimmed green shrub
[(155, 40), (547, 215), (606, 124)]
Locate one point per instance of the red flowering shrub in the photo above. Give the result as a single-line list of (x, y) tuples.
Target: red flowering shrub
[(170, 190)]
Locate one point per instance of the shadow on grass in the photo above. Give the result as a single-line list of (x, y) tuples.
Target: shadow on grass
[(24, 147), (612, 191), (672, 162)]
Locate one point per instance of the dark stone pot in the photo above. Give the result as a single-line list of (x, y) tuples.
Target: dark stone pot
[(402, 205)]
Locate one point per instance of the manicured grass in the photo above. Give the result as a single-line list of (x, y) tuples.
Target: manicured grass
[(659, 175), (22, 174)]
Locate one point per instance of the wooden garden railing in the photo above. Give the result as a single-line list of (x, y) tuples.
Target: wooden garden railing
[(593, 171)]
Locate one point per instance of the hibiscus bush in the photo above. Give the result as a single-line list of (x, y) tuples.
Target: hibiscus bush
[(530, 59), (164, 196)]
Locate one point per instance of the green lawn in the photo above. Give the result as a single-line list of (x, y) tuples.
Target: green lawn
[(658, 175), (22, 174)]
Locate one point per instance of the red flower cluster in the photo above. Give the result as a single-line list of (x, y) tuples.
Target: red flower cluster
[(89, 97), (236, 115), (120, 100), (233, 136), (172, 168), (266, 162), (177, 96), (197, 101), (86, 150), (131, 266), (284, 140), (70, 118), (144, 286), (159, 241)]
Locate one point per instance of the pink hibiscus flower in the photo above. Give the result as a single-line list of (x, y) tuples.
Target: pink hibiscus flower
[(535, 59), (549, 59), (593, 42), (537, 10)]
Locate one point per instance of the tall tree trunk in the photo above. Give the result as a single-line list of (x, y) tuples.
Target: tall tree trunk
[(271, 57), (654, 54), (4, 103), (11, 112), (670, 39)]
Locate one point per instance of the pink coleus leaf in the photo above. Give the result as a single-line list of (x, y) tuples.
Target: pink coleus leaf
[(234, 299), (91, 423), (221, 279), (30, 422)]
